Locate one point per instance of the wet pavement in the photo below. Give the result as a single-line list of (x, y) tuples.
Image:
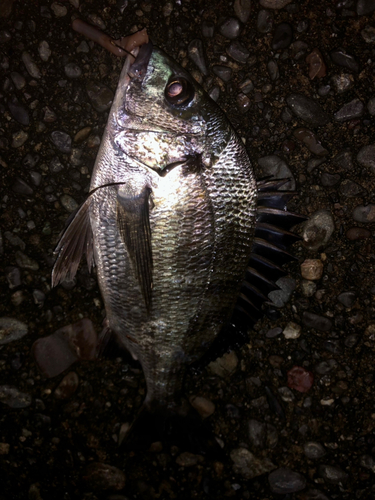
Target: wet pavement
[(294, 408)]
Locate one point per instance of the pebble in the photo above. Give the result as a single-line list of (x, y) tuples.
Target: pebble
[(276, 167), (11, 329), (310, 140), (280, 297), (282, 37), (15, 240), (102, 477), (371, 106), (364, 213), (196, 54), (292, 330), (273, 70), (187, 459), (274, 4), (214, 93), (13, 276), (62, 141), (318, 230), (358, 233), (332, 474), (100, 95), (248, 465), (308, 288), (44, 51), (286, 394), (324, 367), (342, 83), (238, 52), (208, 29), (243, 102), (67, 386), (341, 58), (365, 7), (19, 112), (343, 160), (59, 10), (329, 180), (350, 110), (314, 450), (350, 188), (230, 28), (317, 67), (347, 299), (368, 34), (367, 462), (18, 80), (69, 203), (300, 379), (224, 366), (264, 21), (49, 115), (223, 72), (25, 262), (366, 157), (72, 70), (312, 269), (285, 480), (19, 138), (307, 109), (242, 9), (30, 65), (204, 406), (58, 351), (262, 435), (14, 398), (320, 323)]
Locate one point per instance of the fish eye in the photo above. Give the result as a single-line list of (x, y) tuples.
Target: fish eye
[(179, 91)]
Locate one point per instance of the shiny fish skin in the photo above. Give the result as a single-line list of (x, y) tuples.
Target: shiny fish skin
[(172, 214)]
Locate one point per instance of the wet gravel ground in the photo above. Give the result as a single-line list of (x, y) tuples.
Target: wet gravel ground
[(294, 408)]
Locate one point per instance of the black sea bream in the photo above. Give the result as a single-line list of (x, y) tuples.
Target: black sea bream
[(179, 231)]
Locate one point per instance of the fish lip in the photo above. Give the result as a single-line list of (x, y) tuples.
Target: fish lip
[(139, 67)]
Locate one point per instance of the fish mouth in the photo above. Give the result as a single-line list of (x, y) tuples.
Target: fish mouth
[(138, 68)]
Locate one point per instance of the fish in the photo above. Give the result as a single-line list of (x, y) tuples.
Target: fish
[(186, 243)]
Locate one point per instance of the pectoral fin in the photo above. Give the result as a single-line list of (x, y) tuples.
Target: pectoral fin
[(75, 241), (134, 224)]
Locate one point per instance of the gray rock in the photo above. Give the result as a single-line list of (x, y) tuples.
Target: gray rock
[(242, 9), (59, 10), (363, 213), (11, 329), (280, 297), (62, 141), (14, 398), (262, 435), (19, 138), (324, 367), (55, 165), (368, 34), (313, 450), (308, 110), (18, 80), (332, 474), (264, 21), (341, 58), (273, 70), (347, 299), (248, 465), (230, 28), (68, 203), (371, 106), (21, 187), (196, 54), (349, 188), (19, 112), (366, 156), (350, 110), (100, 96), (30, 65), (342, 83), (320, 323), (282, 37), (238, 52), (13, 276), (285, 480), (318, 230), (368, 462), (25, 262), (208, 29), (276, 167), (365, 7), (44, 51), (72, 70), (223, 72)]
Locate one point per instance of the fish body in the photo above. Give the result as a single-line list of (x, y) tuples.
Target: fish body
[(169, 222)]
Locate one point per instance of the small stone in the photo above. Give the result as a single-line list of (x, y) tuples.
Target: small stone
[(312, 269), (292, 330), (62, 141), (358, 233), (371, 106), (243, 102), (280, 297), (300, 379), (44, 51), (264, 21), (72, 70), (317, 67), (350, 110), (274, 4), (347, 299), (83, 48), (276, 167), (4, 448), (103, 477), (248, 465), (308, 110), (343, 160), (18, 80), (368, 34), (308, 288), (30, 65), (364, 213), (204, 406), (349, 188), (313, 450), (238, 52), (14, 398), (19, 138), (188, 459), (214, 93), (318, 230), (196, 54), (320, 323), (68, 203), (100, 96), (333, 474), (310, 140), (25, 262), (282, 37), (262, 435), (208, 29), (365, 461), (13, 276), (59, 10), (366, 157), (341, 58), (325, 367), (242, 9), (230, 28), (21, 187), (273, 70), (224, 366), (285, 480), (286, 394), (365, 7), (342, 83), (19, 112), (223, 72), (329, 180), (67, 386), (11, 329)]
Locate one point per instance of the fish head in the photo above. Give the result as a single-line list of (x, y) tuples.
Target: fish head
[(163, 117)]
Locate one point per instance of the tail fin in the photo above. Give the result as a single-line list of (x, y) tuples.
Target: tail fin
[(178, 425)]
